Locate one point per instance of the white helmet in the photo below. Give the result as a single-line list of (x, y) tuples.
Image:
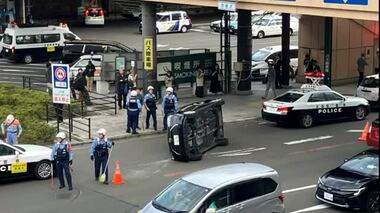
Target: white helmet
[(61, 135), (10, 118), (134, 93), (169, 89), (150, 88), (102, 131), (270, 61)]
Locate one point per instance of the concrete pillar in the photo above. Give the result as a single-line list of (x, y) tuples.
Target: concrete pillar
[(244, 50), (328, 50), (227, 53), (149, 32), (285, 42)]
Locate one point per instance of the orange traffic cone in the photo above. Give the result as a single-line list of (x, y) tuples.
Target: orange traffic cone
[(117, 176), (365, 132)]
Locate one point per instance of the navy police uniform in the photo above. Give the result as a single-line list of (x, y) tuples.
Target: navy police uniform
[(63, 156), (150, 103), (100, 153), (170, 106), (134, 106)]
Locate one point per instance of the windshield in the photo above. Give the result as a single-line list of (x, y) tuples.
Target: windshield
[(180, 196), (370, 83), (367, 164), (289, 97), (7, 39), (20, 148), (260, 55)]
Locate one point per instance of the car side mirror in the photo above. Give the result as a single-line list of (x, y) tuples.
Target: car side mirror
[(211, 210)]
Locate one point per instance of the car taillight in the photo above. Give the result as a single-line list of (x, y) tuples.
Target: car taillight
[(282, 198), (101, 13), (284, 109), (86, 13)]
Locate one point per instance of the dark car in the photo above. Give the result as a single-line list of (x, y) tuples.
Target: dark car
[(72, 52), (354, 184)]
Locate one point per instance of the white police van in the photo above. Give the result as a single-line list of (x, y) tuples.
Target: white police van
[(24, 160), (29, 44), (171, 21), (311, 104)]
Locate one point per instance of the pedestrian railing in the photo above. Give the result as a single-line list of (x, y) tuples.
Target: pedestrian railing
[(68, 120), (99, 102), (34, 83)]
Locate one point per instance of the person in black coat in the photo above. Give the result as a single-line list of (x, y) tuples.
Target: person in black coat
[(277, 68), (80, 85), (122, 88)]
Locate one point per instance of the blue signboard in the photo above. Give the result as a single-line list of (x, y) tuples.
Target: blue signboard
[(357, 2), (61, 83)]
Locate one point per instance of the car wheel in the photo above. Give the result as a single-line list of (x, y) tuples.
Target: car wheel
[(372, 203), (306, 120), (184, 29), (222, 142), (260, 34), (27, 59), (290, 32), (360, 113), (42, 170)]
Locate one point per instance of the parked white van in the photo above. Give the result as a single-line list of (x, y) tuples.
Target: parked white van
[(172, 21), (272, 25), (30, 44)]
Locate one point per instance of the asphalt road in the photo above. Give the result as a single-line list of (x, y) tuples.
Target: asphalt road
[(147, 169)]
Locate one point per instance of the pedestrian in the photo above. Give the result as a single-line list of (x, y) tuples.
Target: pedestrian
[(277, 68), (132, 79), (169, 79), (62, 155), (11, 127), (133, 106), (100, 153), (377, 61), (271, 84), (199, 91), (89, 72), (361, 62), (122, 88), (215, 86), (80, 85), (150, 104), (169, 105)]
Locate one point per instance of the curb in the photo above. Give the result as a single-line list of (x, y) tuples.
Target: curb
[(125, 136)]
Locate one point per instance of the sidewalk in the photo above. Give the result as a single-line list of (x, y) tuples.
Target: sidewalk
[(236, 108)]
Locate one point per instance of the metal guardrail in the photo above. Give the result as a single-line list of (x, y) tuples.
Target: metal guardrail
[(34, 83), (100, 102), (55, 113)]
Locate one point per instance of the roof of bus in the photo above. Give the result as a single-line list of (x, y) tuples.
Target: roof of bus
[(35, 30)]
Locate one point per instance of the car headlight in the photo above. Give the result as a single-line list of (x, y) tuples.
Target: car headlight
[(356, 191)]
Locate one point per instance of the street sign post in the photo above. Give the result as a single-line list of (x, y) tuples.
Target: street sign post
[(61, 83), (227, 5), (148, 53)]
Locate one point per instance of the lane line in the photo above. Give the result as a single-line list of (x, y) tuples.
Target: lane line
[(355, 130), (322, 148), (243, 153), (237, 150), (313, 208), (299, 189), (308, 140)]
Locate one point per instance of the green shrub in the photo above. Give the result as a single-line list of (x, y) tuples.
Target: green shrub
[(29, 107)]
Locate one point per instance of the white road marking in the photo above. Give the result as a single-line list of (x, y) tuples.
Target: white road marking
[(19, 70), (263, 123), (235, 153), (308, 140), (299, 189), (355, 130), (313, 208), (162, 45), (238, 150), (178, 48)]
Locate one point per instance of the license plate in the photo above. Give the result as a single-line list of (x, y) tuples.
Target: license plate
[(328, 196), (20, 167), (51, 49), (176, 140)]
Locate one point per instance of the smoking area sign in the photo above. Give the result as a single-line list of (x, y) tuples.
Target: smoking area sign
[(61, 83), (148, 53)]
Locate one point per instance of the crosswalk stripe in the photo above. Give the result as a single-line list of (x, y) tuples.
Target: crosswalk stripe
[(308, 140)]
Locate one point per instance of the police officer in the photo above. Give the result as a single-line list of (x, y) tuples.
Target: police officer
[(271, 84), (63, 156), (169, 105), (151, 107), (13, 129), (99, 153), (133, 106)]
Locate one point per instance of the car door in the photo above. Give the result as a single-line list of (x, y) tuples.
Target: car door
[(249, 196), (336, 105), (163, 23), (219, 200), (277, 27), (7, 158), (317, 105), (176, 22)]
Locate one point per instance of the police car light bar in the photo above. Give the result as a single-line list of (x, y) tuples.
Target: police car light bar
[(315, 87)]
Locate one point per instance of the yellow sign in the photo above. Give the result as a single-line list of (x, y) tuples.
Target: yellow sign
[(50, 49), (20, 167), (148, 53)]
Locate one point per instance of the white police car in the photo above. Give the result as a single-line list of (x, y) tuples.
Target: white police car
[(311, 104), (369, 89), (24, 160)]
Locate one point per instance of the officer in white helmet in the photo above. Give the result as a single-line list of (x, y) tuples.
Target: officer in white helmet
[(62, 155), (150, 103), (133, 107), (100, 153), (271, 83), (11, 127), (169, 105)]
